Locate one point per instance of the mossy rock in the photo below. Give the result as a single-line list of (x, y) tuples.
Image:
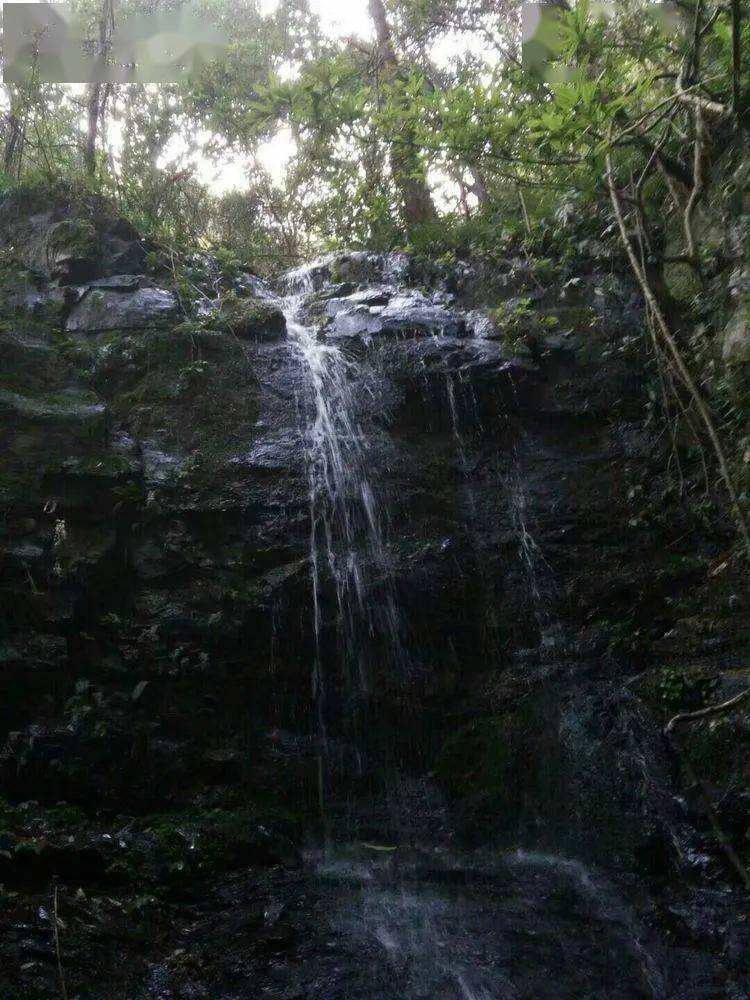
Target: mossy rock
[(29, 362), (72, 249), (26, 301), (252, 319), (189, 389), (682, 282), (578, 318), (735, 339)]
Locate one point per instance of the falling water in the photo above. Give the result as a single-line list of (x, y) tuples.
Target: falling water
[(427, 929), (537, 570), (348, 548), (529, 550)]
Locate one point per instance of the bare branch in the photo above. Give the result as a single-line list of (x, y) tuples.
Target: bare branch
[(704, 713)]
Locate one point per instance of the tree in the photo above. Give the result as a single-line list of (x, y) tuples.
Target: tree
[(406, 165), (99, 88)]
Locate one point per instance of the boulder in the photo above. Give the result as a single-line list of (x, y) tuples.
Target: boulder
[(121, 307), (250, 318), (735, 341), (68, 236), (73, 251), (25, 291), (375, 313)]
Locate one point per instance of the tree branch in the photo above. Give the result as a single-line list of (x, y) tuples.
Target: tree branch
[(704, 713), (681, 367)]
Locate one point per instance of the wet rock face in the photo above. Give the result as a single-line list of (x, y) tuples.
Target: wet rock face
[(486, 591), (387, 312), (115, 305), (160, 508)]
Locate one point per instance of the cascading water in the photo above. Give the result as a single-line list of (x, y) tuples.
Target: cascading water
[(419, 921), (536, 569), (348, 547)]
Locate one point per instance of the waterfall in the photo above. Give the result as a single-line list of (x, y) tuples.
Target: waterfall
[(347, 548), (536, 568), (419, 920)]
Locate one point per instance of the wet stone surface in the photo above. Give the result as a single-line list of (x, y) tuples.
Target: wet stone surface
[(378, 576)]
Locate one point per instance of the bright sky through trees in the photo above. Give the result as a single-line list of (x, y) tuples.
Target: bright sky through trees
[(338, 18)]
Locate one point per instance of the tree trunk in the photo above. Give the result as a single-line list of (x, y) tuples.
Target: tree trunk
[(92, 130), (14, 134), (478, 187), (97, 91), (406, 167)]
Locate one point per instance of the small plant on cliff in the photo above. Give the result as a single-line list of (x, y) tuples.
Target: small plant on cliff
[(686, 690)]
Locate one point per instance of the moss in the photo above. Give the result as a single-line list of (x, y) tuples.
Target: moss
[(73, 237), (686, 690), (36, 192), (33, 363), (165, 847), (191, 389), (29, 821), (250, 318), (195, 843), (576, 318), (682, 282), (522, 322)]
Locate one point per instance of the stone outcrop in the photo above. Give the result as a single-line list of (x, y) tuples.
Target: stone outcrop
[(158, 639), (735, 345), (114, 305)]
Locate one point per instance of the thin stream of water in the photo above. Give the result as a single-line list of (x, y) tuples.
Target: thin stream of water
[(432, 940), (347, 542)]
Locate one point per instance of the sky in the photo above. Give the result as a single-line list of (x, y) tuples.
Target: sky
[(339, 18)]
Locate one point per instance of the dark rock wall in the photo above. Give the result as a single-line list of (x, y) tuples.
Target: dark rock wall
[(156, 646)]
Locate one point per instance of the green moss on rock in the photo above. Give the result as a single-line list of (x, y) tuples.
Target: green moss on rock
[(251, 318), (190, 389), (72, 250), (682, 282)]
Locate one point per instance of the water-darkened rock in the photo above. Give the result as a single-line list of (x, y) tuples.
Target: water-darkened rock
[(495, 634), (121, 307)]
